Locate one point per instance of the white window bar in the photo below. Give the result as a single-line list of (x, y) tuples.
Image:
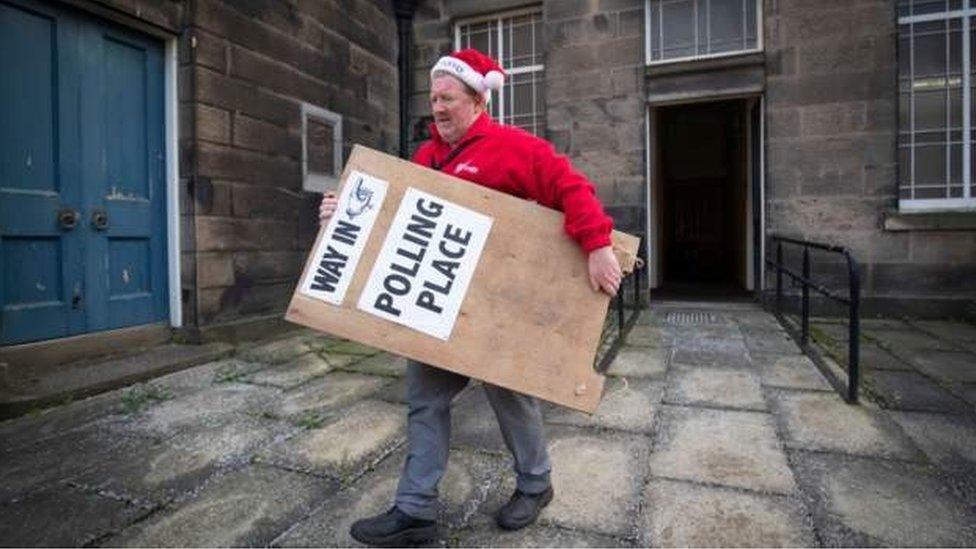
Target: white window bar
[(946, 82), (504, 106), (702, 48)]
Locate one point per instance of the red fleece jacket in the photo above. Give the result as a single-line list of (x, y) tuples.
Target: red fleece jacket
[(513, 161)]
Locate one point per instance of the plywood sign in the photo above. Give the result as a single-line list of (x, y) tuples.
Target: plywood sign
[(440, 270)]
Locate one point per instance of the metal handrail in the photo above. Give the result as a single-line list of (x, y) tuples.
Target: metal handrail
[(624, 323), (853, 302)]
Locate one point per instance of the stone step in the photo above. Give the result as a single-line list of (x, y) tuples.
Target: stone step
[(23, 391)]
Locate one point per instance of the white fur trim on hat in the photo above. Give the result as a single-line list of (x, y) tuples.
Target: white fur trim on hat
[(459, 69)]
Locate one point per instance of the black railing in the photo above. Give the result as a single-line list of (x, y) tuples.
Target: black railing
[(852, 300), (618, 323)]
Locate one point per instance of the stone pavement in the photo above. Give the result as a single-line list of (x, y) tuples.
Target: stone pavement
[(714, 430)]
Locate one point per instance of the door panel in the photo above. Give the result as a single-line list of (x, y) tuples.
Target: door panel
[(40, 261), (127, 257)]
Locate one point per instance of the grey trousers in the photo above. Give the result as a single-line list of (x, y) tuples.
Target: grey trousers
[(429, 394)]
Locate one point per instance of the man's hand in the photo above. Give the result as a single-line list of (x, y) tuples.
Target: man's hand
[(604, 270), (328, 207)]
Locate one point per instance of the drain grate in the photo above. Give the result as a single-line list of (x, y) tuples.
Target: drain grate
[(691, 318)]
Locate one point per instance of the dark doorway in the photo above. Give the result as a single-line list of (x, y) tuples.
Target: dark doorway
[(703, 175)]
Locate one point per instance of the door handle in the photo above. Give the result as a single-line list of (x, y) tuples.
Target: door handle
[(68, 218), (99, 220)]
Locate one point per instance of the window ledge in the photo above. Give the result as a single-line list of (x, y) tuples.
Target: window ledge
[(680, 66), (949, 220)]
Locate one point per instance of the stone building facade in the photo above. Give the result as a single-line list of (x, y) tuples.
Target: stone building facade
[(736, 120)]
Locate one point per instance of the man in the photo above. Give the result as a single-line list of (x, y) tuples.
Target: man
[(466, 143)]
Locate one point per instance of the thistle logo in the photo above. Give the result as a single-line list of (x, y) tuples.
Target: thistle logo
[(466, 167)]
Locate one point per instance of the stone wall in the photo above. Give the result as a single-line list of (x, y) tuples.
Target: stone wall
[(593, 87), (831, 153), (245, 69)]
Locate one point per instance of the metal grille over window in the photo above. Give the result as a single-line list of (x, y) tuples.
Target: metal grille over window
[(514, 39), (693, 29), (935, 67)]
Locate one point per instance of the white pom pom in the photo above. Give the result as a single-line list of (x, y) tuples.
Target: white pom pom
[(493, 80)]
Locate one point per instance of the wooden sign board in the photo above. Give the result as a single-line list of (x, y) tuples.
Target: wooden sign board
[(459, 276)]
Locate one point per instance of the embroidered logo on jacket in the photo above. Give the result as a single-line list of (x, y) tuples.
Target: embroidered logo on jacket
[(466, 167)]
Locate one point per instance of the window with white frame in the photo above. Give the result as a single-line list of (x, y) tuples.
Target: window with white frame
[(694, 29), (935, 85), (514, 39), (321, 149)]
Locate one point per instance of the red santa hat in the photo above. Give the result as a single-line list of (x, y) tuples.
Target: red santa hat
[(477, 70)]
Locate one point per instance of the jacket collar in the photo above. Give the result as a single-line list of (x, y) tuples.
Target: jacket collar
[(479, 127)]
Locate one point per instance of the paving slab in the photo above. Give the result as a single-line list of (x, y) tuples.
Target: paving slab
[(838, 332), (210, 407), (873, 357), (683, 514), (790, 372), (769, 342), (64, 517), (597, 480), (730, 448), (824, 422), (759, 320), (960, 333), (53, 460), (346, 347), (911, 391), (907, 340), (192, 379), (537, 535), (723, 387), (32, 428), (959, 367), (248, 507), (649, 336), (363, 434), (463, 488), (276, 352), (394, 390), (324, 395), (949, 442), (967, 393), (291, 374), (639, 362), (627, 405), (153, 473), (382, 364), (715, 359), (860, 502)]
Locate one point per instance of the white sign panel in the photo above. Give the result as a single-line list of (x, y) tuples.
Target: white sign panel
[(428, 258), (345, 236)]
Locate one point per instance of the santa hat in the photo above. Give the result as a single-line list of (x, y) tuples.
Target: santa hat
[(477, 70)]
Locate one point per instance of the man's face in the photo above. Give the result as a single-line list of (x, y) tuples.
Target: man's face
[(453, 107)]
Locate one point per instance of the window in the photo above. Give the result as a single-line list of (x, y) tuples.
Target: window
[(693, 29), (514, 39), (935, 137), (321, 149)]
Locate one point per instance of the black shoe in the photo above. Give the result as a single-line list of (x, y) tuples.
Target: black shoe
[(393, 528), (522, 509)]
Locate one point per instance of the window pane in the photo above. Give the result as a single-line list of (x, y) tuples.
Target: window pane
[(678, 21), (725, 25), (522, 44), (930, 50), (930, 167), (930, 110), (904, 167), (751, 38)]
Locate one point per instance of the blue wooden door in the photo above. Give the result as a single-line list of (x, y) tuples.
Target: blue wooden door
[(82, 201)]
